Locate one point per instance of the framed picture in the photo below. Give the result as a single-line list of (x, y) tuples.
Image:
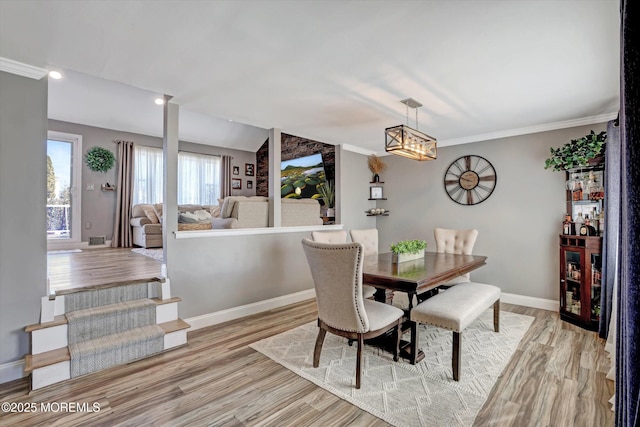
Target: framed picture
[(248, 169), (236, 183), (376, 192), (249, 185), (236, 170)]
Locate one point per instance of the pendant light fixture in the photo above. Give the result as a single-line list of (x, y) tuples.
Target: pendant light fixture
[(405, 141)]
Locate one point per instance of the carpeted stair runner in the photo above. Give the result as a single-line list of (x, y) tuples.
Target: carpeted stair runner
[(111, 350), (93, 323), (111, 326), (100, 297)]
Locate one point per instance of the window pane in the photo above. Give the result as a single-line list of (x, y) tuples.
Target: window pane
[(59, 167), (147, 175), (198, 179)]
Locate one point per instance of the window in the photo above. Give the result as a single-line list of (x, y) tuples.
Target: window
[(147, 175), (64, 181), (198, 179)]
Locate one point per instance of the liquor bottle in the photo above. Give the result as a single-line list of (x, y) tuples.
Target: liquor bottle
[(579, 223)]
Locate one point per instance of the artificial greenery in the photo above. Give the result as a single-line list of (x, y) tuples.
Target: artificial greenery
[(327, 193), (408, 246), (577, 153), (99, 159)]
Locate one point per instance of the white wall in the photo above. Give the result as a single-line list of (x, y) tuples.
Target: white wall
[(518, 224)]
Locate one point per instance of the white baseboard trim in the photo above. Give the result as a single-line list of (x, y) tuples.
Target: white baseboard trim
[(246, 310), (544, 304), (12, 371)]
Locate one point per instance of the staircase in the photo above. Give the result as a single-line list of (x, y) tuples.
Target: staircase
[(94, 329)]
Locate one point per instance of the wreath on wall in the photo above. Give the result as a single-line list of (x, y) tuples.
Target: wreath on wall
[(99, 159)]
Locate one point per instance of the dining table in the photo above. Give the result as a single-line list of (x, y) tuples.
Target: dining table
[(415, 277)]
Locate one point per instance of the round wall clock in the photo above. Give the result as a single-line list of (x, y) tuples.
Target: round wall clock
[(470, 180)]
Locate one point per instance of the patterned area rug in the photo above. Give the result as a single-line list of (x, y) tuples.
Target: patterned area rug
[(151, 253), (400, 393)]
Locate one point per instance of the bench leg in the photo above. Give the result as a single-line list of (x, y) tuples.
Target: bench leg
[(414, 343), (456, 360), (496, 316)]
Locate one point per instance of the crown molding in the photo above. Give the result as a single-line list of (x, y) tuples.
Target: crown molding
[(531, 129), (359, 150), (21, 69)]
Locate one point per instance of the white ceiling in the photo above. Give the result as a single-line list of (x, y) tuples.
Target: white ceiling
[(332, 71)]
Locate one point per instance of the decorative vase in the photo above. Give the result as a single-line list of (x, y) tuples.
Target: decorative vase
[(331, 212), (398, 258), (376, 178)]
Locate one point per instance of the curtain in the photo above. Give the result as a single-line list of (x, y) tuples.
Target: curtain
[(148, 175), (121, 224), (225, 181), (628, 324), (198, 179), (611, 237)]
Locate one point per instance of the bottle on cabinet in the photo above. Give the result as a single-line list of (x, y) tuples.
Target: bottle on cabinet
[(579, 222)]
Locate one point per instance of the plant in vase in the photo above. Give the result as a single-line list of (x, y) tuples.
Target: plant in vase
[(328, 195), (407, 250), (577, 153), (376, 166)]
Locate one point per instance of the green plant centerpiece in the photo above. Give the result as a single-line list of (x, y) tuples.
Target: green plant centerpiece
[(327, 193), (99, 159), (577, 153), (407, 250)]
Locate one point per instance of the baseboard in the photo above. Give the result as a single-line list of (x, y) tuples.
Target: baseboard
[(544, 304), (12, 371), (248, 309), (62, 245)]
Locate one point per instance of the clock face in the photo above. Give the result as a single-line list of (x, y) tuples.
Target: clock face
[(470, 180)]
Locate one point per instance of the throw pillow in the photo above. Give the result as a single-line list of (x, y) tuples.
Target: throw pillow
[(158, 210), (187, 218), (151, 214), (202, 215), (215, 211)]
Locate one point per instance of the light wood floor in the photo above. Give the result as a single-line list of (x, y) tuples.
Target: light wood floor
[(555, 378), (94, 268)]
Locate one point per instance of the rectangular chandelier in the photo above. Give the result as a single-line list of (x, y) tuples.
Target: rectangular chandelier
[(407, 142)]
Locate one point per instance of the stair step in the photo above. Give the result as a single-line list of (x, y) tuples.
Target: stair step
[(62, 319), (41, 360)]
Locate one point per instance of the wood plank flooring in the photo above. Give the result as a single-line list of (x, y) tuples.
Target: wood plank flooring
[(94, 268), (555, 378)]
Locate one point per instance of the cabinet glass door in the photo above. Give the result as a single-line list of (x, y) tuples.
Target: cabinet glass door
[(596, 282), (573, 275)]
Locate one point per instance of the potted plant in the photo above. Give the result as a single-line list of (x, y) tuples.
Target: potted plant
[(577, 153), (327, 194), (407, 250), (376, 166)]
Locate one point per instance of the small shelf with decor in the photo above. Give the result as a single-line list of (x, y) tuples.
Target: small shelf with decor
[(377, 212)]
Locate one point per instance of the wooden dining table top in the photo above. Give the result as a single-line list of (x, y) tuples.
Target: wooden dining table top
[(418, 275)]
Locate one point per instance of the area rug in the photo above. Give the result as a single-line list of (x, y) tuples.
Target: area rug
[(151, 253), (400, 393)]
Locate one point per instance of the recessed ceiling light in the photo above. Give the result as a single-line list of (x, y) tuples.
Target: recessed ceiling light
[(159, 101), (57, 75)]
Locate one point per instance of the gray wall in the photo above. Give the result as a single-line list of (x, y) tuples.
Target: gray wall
[(23, 260), (518, 224), (98, 207), (353, 177)]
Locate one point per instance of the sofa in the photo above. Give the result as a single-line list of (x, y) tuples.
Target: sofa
[(146, 222), (253, 212)]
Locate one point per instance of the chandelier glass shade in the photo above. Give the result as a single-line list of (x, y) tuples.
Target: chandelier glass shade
[(405, 141)]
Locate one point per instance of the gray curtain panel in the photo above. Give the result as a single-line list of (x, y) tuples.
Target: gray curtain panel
[(124, 194), (225, 181), (611, 236), (628, 317)]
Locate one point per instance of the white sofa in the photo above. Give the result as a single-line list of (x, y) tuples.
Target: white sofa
[(253, 212), (146, 223)]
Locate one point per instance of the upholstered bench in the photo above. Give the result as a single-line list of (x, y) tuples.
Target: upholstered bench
[(455, 309)]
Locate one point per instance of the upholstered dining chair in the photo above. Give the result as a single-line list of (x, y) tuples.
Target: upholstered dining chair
[(368, 238), (451, 241), (337, 236), (336, 269)]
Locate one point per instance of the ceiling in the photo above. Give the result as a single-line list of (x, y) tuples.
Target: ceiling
[(332, 71)]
